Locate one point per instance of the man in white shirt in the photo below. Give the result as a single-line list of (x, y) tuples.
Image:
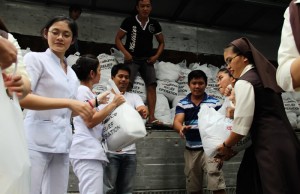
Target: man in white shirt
[(119, 174)]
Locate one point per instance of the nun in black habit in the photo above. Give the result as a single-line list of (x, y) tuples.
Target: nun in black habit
[(272, 164)]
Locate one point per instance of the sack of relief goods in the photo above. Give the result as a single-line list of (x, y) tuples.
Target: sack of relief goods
[(123, 127), (214, 129), (14, 161)]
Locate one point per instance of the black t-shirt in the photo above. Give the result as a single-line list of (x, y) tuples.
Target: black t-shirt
[(139, 41)]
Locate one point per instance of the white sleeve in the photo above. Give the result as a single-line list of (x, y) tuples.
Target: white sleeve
[(244, 107), (34, 68), (138, 101), (287, 53), (84, 93)]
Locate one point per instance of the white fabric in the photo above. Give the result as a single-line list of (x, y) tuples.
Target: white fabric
[(287, 53), (214, 93), (215, 129), (183, 88), (119, 56), (90, 175), (139, 88), (162, 109), (49, 173), (106, 63), (14, 161), (168, 88), (86, 142), (135, 101), (99, 88), (167, 71), (25, 51), (292, 118), (245, 104), (21, 66), (224, 106), (204, 68), (71, 59), (290, 103), (49, 130)]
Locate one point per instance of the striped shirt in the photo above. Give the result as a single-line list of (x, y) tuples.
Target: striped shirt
[(190, 111)]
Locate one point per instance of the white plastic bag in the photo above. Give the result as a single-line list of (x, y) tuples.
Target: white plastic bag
[(14, 161), (71, 59), (117, 54), (214, 129), (123, 127)]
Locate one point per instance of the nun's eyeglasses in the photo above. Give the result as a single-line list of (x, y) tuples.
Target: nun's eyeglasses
[(228, 60)]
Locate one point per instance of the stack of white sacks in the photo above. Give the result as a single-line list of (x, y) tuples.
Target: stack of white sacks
[(172, 85)]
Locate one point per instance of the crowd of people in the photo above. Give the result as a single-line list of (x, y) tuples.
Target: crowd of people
[(53, 92)]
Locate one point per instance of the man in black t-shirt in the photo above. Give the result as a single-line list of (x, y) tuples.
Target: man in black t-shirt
[(138, 49)]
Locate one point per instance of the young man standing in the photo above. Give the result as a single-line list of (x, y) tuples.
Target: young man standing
[(120, 172), (186, 124), (75, 12), (138, 49)]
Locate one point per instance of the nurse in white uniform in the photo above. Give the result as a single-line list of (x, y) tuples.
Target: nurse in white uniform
[(47, 126), (87, 155)]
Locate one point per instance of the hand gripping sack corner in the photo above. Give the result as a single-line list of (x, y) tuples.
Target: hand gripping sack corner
[(14, 161), (123, 127), (214, 129)]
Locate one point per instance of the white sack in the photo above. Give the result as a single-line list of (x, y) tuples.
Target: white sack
[(123, 127), (183, 87), (214, 129), (106, 63), (71, 59), (167, 88), (290, 104), (119, 56), (139, 88), (167, 71), (14, 161), (292, 118), (162, 109)]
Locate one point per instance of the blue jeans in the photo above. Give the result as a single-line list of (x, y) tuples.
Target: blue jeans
[(119, 173)]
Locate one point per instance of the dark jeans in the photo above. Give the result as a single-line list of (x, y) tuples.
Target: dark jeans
[(119, 173)]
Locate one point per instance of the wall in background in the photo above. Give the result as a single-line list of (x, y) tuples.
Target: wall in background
[(28, 19)]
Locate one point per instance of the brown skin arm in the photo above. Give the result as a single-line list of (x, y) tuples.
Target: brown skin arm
[(98, 117), (118, 41), (35, 102), (295, 73), (160, 48), (178, 125), (8, 53), (143, 111), (17, 83), (225, 153)]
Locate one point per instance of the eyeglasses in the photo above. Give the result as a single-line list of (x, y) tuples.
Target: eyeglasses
[(228, 60), (65, 35)]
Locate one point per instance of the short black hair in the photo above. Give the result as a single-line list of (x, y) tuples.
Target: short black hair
[(225, 70), (137, 2), (71, 23), (197, 74), (84, 65), (115, 69), (75, 8)]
